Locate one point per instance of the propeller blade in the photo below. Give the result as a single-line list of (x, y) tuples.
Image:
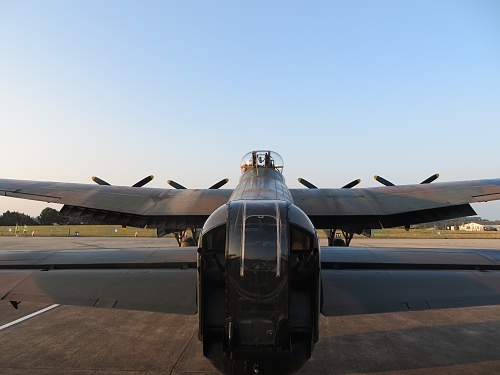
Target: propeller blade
[(351, 184), (383, 181), (144, 181), (175, 185), (219, 184), (307, 184), (430, 179), (98, 181)]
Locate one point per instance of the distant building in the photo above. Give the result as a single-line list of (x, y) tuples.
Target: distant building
[(472, 227)]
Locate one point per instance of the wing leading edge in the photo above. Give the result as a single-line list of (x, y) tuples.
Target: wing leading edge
[(390, 206), (367, 281), (166, 209), (162, 280)]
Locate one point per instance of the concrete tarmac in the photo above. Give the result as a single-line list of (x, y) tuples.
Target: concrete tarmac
[(84, 341)]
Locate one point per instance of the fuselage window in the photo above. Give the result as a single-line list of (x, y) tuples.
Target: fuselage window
[(260, 243)]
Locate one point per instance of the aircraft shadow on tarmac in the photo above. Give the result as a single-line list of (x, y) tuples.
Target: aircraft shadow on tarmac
[(407, 349)]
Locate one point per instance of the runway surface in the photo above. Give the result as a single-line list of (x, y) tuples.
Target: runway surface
[(71, 340)]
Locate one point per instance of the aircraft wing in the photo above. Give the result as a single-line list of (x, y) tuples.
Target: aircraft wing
[(377, 280), (162, 280), (166, 209), (391, 206)]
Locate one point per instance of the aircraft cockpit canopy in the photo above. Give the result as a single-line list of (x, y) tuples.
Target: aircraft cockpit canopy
[(262, 159)]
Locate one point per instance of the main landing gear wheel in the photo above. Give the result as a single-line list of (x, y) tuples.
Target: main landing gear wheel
[(338, 242), (184, 240)]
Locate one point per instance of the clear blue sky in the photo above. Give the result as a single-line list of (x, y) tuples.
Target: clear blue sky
[(183, 89)]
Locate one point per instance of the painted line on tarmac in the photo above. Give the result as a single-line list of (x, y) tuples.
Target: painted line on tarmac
[(32, 315)]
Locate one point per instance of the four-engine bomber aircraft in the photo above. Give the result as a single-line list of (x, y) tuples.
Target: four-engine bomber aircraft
[(258, 278)]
